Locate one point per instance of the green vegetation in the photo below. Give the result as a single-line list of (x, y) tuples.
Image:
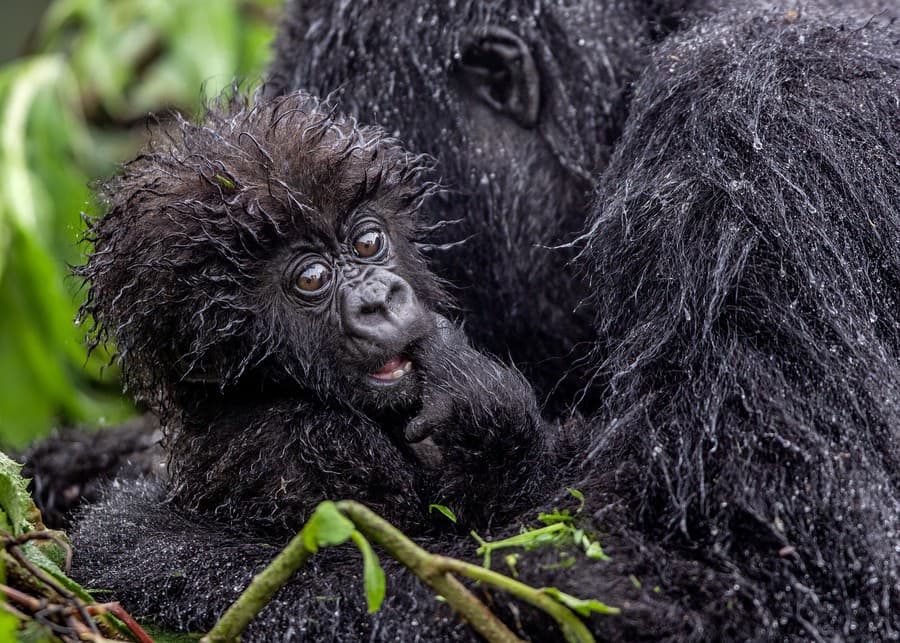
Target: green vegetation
[(559, 530), (36, 592), (336, 523), (41, 602), (68, 113)]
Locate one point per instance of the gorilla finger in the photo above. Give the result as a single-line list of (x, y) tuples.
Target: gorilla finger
[(419, 428)]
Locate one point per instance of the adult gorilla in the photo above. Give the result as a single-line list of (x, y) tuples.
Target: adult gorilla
[(741, 262)]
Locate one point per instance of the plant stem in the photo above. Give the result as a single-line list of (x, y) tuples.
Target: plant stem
[(521, 540), (431, 567), (426, 567), (259, 592), (434, 570), (573, 628)]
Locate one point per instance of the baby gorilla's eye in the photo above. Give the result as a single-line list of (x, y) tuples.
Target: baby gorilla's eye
[(314, 278), (370, 244)]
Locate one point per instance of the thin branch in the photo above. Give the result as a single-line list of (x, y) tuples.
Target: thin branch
[(27, 601), (572, 626), (429, 567), (28, 536), (435, 571), (42, 605), (43, 576), (22, 616), (422, 564), (260, 591), (119, 612)]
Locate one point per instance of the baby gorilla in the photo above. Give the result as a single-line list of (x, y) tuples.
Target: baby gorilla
[(259, 276)]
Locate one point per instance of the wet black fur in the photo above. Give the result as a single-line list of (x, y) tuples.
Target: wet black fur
[(71, 468), (187, 275), (741, 269)]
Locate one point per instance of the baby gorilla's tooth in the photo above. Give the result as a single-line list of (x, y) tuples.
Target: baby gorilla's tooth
[(398, 374)]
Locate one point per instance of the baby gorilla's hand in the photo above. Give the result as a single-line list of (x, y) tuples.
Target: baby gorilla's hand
[(437, 400), (484, 429), (464, 391)]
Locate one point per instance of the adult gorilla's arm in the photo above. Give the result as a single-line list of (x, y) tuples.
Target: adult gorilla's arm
[(745, 254)]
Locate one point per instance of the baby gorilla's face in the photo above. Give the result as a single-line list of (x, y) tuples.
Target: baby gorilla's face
[(355, 316), (267, 246)]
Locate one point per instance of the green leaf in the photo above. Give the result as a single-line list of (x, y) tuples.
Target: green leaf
[(444, 510), (43, 185), (95, 60), (373, 574), (584, 607), (594, 550), (556, 517), (15, 500), (36, 555), (8, 626), (578, 496), (326, 527)]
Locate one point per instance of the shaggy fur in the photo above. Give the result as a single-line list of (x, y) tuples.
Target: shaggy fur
[(71, 468), (190, 274), (743, 266), (517, 297), (742, 262), (744, 251)]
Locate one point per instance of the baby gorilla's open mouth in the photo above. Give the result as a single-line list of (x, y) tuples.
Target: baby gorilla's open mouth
[(394, 370)]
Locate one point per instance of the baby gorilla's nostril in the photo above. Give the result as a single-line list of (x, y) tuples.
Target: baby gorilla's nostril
[(374, 296), (381, 309), (377, 296)]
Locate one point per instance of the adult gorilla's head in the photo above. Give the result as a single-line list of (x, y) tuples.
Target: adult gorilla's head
[(488, 88)]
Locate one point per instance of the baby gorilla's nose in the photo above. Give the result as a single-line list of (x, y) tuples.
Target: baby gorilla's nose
[(381, 308)]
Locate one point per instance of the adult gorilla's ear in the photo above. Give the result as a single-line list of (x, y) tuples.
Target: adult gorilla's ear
[(498, 67)]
